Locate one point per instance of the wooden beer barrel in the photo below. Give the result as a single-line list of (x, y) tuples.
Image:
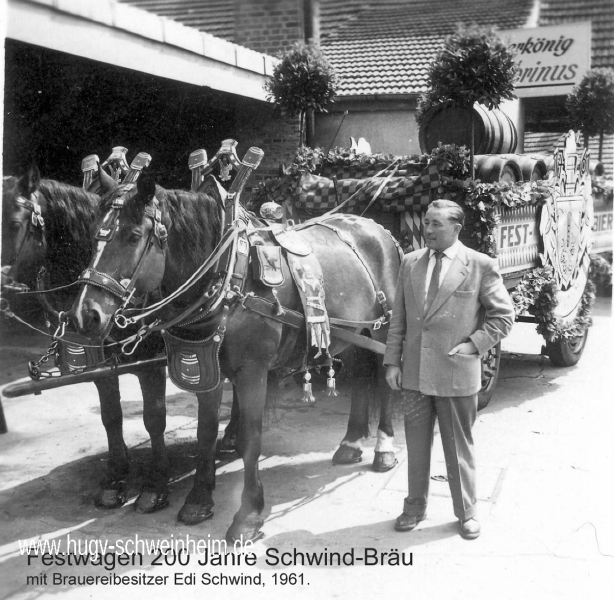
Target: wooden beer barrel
[(491, 168), (494, 131), (532, 168)]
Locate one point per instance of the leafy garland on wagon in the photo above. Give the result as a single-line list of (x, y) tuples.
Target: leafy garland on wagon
[(537, 291)]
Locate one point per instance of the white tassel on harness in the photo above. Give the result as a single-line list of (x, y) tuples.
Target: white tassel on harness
[(307, 393), (330, 383)]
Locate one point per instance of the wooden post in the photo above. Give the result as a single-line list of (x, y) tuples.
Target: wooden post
[(472, 144)]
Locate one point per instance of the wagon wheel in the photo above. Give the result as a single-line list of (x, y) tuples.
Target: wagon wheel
[(490, 373), (566, 352)]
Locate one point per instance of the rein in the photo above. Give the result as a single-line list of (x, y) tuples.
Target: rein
[(232, 243), (236, 226)]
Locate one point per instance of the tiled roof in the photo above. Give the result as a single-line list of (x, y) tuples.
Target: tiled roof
[(211, 16), (217, 16), (387, 47), (335, 14), (600, 12), (545, 143)]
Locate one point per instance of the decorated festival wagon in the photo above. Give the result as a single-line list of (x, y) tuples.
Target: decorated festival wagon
[(533, 213)]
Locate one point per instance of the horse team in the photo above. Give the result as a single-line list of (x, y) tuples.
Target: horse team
[(57, 227)]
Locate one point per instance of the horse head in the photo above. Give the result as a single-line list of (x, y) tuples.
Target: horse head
[(23, 228), (128, 257)]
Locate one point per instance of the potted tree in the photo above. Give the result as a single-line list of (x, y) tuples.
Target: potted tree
[(302, 82), (590, 105), (474, 65)]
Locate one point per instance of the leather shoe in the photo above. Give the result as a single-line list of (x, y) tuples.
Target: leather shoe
[(408, 522), (470, 529)]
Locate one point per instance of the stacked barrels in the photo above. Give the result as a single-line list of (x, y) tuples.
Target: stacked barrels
[(494, 131), (495, 141)]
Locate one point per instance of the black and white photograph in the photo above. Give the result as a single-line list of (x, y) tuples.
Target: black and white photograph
[(307, 298)]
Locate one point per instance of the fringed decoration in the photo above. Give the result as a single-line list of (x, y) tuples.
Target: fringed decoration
[(330, 383), (279, 309), (307, 393)]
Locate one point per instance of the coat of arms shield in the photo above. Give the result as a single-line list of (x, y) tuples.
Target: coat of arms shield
[(565, 226)]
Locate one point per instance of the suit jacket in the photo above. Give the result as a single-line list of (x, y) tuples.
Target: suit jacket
[(471, 304)]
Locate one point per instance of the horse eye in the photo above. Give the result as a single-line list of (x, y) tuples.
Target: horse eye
[(134, 238), (14, 226)]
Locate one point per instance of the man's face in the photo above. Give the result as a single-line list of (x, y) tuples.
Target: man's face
[(439, 230)]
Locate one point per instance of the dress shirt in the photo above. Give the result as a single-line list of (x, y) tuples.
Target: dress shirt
[(449, 254)]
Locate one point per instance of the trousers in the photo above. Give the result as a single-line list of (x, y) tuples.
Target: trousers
[(456, 416)]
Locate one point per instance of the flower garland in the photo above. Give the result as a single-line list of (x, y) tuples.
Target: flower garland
[(600, 272), (483, 199), (537, 293)]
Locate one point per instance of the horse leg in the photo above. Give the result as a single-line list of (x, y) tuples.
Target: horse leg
[(251, 387), (361, 378), (228, 444), (385, 458), (154, 493), (199, 502), (113, 488)]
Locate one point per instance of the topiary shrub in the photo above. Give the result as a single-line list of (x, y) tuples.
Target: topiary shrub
[(303, 80), (590, 105)]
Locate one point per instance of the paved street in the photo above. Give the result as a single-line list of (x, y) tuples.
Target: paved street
[(546, 494)]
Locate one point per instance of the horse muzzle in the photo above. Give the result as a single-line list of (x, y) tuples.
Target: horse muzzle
[(90, 319)]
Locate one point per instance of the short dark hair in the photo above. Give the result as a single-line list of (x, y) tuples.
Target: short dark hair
[(457, 214)]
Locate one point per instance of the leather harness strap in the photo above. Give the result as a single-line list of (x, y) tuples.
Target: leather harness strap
[(36, 223), (295, 319)]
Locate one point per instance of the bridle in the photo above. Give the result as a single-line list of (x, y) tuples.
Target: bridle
[(35, 228), (124, 289), (221, 269)]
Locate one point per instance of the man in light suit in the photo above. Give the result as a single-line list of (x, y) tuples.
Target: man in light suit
[(450, 307)]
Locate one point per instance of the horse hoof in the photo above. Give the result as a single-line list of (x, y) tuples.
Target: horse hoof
[(384, 461), (225, 446), (150, 501), (347, 455), (192, 514), (113, 497), (247, 530)]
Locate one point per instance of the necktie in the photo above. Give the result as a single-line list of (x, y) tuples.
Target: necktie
[(434, 284)]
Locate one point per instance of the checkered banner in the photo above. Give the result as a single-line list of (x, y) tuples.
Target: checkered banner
[(400, 194)]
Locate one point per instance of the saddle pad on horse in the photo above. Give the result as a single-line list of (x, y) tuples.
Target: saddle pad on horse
[(400, 194), (292, 242), (307, 274)]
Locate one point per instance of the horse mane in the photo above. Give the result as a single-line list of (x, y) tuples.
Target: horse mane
[(192, 220), (71, 211), (70, 214)]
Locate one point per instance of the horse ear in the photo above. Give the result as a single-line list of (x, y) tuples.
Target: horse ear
[(107, 183), (146, 187), (30, 181)]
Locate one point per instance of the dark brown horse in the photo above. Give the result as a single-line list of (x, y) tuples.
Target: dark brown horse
[(137, 255), (46, 224)]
